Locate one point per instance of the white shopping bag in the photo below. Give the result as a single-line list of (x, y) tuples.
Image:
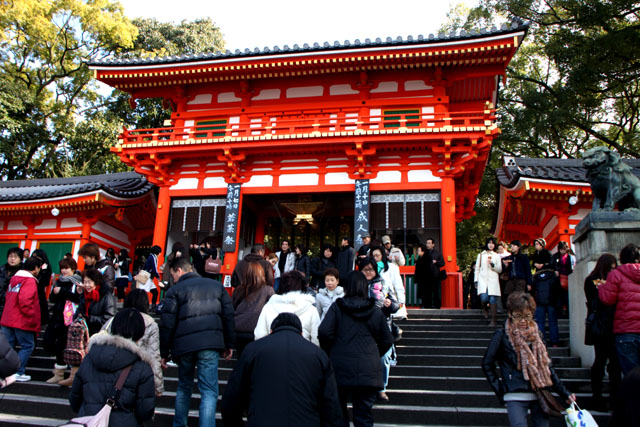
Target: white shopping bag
[(101, 419), (577, 417)]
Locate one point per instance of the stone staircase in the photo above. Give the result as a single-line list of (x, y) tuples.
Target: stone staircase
[(437, 381)]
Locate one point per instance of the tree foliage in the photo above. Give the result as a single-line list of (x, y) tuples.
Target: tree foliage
[(573, 84), (55, 120)]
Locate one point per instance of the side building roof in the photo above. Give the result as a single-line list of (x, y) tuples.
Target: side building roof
[(559, 170), (125, 185)]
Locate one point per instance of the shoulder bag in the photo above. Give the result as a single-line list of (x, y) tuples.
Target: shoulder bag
[(213, 266), (101, 419), (549, 403)]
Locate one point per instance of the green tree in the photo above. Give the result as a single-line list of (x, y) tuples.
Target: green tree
[(55, 120), (44, 81), (105, 118), (573, 84)]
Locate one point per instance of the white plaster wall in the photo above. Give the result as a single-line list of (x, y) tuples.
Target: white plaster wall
[(47, 223), (422, 176), (111, 231), (259, 181), (16, 225), (70, 223), (214, 182), (385, 177), (186, 184), (338, 178), (299, 179)]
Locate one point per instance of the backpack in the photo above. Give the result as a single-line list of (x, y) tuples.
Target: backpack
[(77, 342)]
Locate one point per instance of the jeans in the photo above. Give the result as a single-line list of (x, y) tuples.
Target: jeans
[(276, 284), (207, 363), (517, 412), (628, 347), (486, 298), (26, 341), (385, 362), (541, 314)]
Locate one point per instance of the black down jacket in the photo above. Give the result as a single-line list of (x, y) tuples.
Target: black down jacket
[(501, 353), (99, 311), (197, 315), (354, 333), (546, 287), (97, 376), (298, 377)]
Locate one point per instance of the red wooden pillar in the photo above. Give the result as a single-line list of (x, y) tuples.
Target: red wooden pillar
[(259, 238), (448, 222), (85, 236), (162, 221), (563, 229)]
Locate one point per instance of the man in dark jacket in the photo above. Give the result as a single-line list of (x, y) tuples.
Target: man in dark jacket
[(196, 326), (299, 377), (257, 254), (345, 261), (90, 252), (423, 275), (433, 282)]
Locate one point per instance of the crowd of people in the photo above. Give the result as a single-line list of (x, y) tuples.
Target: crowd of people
[(319, 332)]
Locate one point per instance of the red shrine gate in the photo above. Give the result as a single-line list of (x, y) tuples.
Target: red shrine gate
[(273, 144)]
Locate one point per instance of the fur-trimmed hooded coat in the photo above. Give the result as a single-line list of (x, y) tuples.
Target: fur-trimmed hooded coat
[(108, 356), (150, 343)]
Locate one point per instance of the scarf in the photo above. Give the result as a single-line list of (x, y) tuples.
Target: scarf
[(533, 359), (90, 297)]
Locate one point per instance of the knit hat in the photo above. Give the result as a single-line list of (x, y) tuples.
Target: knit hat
[(516, 243), (542, 242)]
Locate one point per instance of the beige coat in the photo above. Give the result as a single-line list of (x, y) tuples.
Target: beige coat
[(488, 277)]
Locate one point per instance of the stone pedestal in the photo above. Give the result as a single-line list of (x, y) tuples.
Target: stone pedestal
[(598, 233)]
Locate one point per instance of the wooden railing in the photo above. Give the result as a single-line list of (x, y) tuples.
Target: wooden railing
[(309, 124)]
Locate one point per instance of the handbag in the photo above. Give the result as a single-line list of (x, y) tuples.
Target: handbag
[(69, 309), (595, 324), (213, 266), (395, 331), (577, 417), (101, 419), (549, 403), (442, 275)]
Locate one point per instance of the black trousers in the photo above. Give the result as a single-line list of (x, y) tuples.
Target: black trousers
[(362, 399), (605, 351), (430, 294), (121, 285)]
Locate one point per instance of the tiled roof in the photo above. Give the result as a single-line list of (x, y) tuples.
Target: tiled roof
[(515, 26), (571, 170), (127, 185)]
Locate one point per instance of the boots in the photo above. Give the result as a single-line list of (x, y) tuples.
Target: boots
[(494, 311), (69, 381), (485, 311), (58, 374)]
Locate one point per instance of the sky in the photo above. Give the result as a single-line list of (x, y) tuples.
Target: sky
[(253, 23)]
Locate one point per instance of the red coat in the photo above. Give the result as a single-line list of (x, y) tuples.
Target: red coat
[(22, 307), (623, 289)]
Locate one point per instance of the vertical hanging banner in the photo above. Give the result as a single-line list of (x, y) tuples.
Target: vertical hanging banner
[(231, 218), (361, 212)]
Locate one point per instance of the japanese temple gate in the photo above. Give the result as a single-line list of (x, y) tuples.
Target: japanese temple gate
[(271, 144)]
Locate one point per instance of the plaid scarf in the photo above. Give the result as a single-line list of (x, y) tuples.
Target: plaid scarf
[(533, 359)]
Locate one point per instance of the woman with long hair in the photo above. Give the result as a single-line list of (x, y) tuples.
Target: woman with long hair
[(248, 299), (354, 333), (525, 365), (64, 296), (604, 344), (302, 260), (487, 279), (44, 280)]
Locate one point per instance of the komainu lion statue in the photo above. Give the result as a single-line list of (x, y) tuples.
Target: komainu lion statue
[(612, 181)]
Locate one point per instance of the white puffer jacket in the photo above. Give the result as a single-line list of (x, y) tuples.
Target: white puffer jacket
[(393, 280), (302, 305)]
